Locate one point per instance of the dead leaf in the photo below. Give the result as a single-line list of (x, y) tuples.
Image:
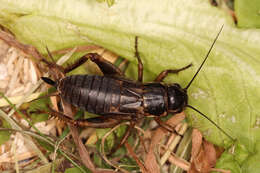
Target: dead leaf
[(150, 162), (203, 154)]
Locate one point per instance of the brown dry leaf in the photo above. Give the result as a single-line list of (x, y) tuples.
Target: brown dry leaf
[(196, 143), (150, 162), (180, 162), (203, 154)]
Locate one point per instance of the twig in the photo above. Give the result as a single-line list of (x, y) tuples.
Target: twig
[(103, 150), (103, 143), (138, 161)]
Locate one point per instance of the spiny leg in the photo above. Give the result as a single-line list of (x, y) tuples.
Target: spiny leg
[(140, 64), (97, 122), (105, 66), (76, 64), (165, 73)]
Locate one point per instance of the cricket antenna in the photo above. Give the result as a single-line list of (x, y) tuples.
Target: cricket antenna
[(186, 88), (211, 122), (49, 54)]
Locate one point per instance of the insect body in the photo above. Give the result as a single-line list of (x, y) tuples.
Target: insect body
[(115, 97), (104, 95)]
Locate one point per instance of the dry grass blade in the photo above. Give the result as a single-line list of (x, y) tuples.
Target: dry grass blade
[(174, 143), (78, 49), (150, 162), (84, 154), (17, 99), (185, 165), (28, 138)]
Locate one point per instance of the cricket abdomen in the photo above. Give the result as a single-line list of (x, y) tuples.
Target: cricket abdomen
[(101, 94)]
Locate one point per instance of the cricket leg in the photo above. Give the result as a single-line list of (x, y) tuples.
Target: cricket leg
[(105, 66), (140, 64), (97, 122), (166, 126), (124, 138), (165, 73)]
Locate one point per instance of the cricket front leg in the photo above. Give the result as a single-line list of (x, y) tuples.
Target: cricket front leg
[(140, 64), (165, 73)]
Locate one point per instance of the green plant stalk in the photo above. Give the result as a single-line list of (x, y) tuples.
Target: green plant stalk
[(183, 150), (18, 111)]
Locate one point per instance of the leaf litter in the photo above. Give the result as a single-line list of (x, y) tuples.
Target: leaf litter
[(17, 80)]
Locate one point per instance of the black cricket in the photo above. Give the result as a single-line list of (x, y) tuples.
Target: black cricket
[(116, 98)]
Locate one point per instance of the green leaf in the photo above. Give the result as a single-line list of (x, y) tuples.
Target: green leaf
[(171, 34), (247, 13), (228, 162), (35, 107), (110, 140), (4, 135), (252, 163)]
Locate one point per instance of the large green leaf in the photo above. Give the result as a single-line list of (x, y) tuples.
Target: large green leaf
[(247, 13), (171, 34)]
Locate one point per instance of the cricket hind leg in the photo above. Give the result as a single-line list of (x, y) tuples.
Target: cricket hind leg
[(105, 66), (165, 73), (96, 122), (110, 69)]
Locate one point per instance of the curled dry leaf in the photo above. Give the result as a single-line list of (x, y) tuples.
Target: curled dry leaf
[(150, 162), (196, 143), (203, 154)]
